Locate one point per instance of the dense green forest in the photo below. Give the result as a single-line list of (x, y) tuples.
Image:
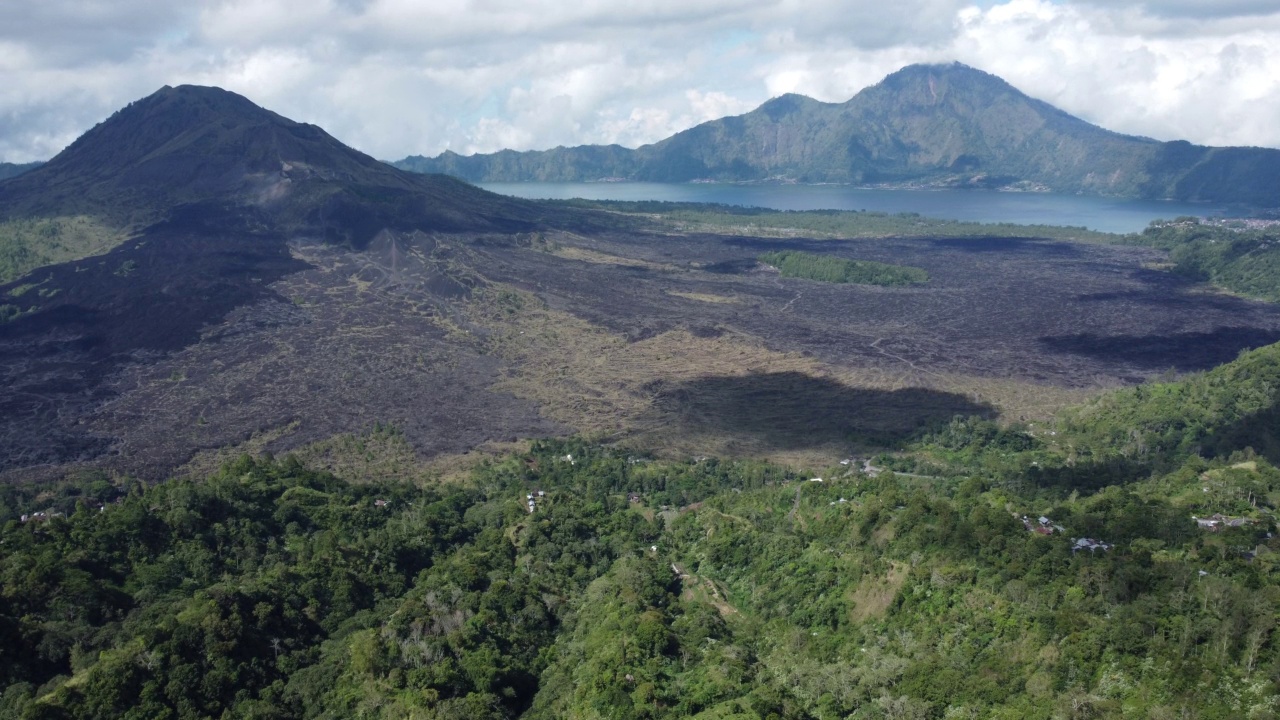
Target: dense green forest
[(826, 268), (642, 588), (1240, 258)]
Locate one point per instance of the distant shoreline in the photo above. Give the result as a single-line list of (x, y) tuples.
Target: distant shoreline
[(910, 186), (985, 205)]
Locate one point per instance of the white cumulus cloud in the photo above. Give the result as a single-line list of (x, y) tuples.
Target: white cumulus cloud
[(399, 77)]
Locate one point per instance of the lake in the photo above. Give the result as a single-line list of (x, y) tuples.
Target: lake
[(1095, 213)]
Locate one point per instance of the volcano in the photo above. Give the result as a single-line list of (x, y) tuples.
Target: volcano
[(176, 211), (197, 145)]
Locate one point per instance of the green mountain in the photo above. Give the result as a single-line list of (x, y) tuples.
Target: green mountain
[(944, 125)]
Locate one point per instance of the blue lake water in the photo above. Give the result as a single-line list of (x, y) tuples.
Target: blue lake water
[(1095, 213)]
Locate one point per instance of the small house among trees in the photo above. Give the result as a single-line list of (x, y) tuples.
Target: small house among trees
[(1089, 544), (1217, 521)]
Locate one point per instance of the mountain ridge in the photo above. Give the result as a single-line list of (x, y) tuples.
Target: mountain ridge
[(192, 207), (193, 144), (936, 125)]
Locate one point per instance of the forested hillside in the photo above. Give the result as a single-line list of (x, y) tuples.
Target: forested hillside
[(945, 125), (1234, 256), (1002, 572)]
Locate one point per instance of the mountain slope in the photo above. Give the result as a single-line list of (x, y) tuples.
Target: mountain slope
[(194, 144), (936, 124), (1228, 408), (191, 205), (8, 170), (296, 594)]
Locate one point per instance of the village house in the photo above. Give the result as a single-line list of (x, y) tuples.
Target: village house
[(1089, 544), (1217, 521), (1042, 526)]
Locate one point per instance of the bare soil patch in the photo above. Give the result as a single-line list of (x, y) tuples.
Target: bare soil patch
[(874, 595)]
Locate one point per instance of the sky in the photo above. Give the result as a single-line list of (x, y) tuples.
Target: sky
[(401, 77)]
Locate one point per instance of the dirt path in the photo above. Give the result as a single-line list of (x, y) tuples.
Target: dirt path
[(876, 346), (714, 595), (791, 302), (795, 506), (873, 471), (777, 281)]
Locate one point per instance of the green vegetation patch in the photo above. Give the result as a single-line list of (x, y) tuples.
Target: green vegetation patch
[(31, 243), (764, 222), (1230, 414), (536, 590), (825, 268), (9, 312), (1242, 257), (1233, 406)]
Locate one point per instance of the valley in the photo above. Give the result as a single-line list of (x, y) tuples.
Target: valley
[(291, 434), (682, 341)]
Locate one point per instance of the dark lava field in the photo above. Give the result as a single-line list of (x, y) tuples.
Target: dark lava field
[(1073, 315), (205, 331)]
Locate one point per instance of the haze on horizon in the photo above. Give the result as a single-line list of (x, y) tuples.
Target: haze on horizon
[(397, 77)]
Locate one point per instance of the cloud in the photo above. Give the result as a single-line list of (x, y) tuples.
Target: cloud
[(1122, 70), (1197, 8), (1205, 88), (864, 25), (69, 33), (395, 77)]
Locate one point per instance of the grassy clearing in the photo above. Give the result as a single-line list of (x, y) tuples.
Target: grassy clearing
[(205, 462), (9, 313), (874, 595), (376, 455), (383, 453), (32, 243), (729, 395), (705, 297), (760, 222), (599, 258), (1018, 400)]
